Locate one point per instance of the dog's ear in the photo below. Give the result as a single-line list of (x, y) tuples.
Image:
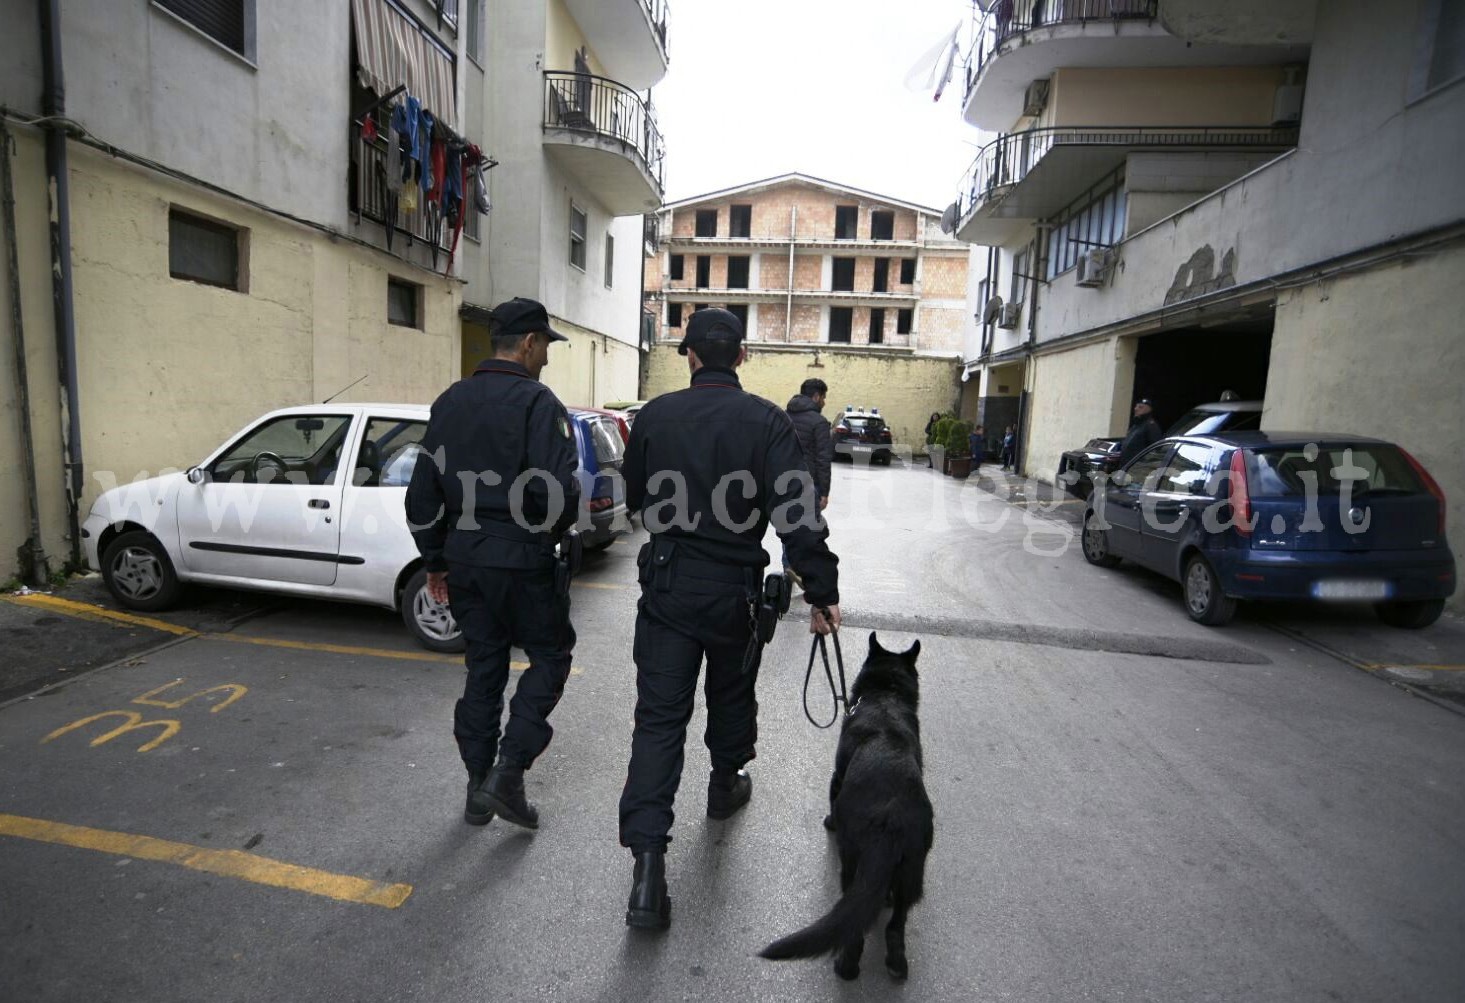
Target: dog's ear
[(912, 653), (875, 648)]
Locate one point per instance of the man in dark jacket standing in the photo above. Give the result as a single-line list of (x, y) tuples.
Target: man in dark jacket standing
[(487, 538), (812, 430), (1144, 431), (708, 467)]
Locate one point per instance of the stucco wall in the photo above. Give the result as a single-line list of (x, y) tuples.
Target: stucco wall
[(1072, 393), (1158, 96), (905, 389), (169, 367), (1396, 376)]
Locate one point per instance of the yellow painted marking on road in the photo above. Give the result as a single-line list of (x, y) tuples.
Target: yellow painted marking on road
[(85, 611), (133, 721), (225, 863), (235, 690), (348, 649), (1376, 666)]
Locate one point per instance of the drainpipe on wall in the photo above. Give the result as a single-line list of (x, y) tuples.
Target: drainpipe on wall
[(53, 106), (35, 568)]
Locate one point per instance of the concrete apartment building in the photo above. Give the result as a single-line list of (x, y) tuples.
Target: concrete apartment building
[(823, 276), (222, 208), (1186, 197)]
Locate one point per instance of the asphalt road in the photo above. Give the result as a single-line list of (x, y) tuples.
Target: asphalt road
[(1129, 806)]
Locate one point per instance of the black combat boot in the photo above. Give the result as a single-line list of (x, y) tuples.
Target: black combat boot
[(503, 792), (478, 811), (727, 792), (650, 905)]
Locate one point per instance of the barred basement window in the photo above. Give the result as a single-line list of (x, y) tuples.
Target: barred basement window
[(228, 22), (202, 250), (404, 303)]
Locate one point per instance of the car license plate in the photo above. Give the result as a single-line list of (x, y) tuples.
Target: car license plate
[(860, 447), (1351, 588)]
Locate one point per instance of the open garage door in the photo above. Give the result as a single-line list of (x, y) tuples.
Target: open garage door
[(1188, 366)]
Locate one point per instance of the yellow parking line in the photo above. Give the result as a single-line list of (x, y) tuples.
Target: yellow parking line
[(85, 611), (1375, 666), (99, 614), (348, 649), (225, 863)]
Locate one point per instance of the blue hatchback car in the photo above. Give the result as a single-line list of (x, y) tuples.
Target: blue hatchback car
[(1279, 515), (601, 451)]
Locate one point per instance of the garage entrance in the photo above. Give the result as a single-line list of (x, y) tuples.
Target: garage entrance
[(1196, 365)]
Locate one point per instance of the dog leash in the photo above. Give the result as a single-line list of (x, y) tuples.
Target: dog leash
[(841, 696)]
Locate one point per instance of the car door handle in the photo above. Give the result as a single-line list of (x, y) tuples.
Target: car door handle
[(319, 503), (1169, 508)]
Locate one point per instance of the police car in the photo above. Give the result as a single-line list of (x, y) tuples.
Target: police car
[(276, 509), (862, 434)]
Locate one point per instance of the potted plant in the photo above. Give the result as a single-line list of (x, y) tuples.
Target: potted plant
[(958, 461), (936, 444)]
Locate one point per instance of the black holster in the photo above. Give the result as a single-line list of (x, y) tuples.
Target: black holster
[(567, 562), (772, 604)]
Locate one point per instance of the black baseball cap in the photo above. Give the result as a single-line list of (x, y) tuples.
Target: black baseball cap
[(1145, 401), (711, 324), (523, 316)]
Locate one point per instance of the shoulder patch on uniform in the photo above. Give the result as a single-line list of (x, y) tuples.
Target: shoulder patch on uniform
[(563, 424)]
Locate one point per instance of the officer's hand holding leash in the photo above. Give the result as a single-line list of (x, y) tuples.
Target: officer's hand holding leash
[(437, 587), (825, 619)]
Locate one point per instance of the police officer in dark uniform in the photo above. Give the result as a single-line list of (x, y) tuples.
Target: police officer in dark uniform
[(707, 467), (1144, 431), (493, 491)]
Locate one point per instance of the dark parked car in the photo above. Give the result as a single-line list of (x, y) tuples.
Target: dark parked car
[(1077, 467), (602, 451), (862, 433), (1273, 515)]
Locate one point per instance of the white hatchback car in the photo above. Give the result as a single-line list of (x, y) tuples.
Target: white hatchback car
[(276, 509)]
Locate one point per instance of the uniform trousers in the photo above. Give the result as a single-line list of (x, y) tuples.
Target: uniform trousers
[(498, 609), (676, 628)]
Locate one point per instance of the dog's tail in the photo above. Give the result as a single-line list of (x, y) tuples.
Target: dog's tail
[(855, 911)]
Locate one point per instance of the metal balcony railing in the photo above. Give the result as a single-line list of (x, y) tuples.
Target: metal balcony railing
[(1025, 15), (1006, 160), (657, 10), (582, 102)]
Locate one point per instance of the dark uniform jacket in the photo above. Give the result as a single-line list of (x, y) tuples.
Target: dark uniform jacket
[(812, 429), (485, 431), (706, 432), (1143, 433)]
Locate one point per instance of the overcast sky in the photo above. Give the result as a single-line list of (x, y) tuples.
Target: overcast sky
[(758, 88)]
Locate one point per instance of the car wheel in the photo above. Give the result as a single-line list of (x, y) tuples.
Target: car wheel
[(429, 621), (1095, 543), (1410, 615), (1204, 600), (139, 573)]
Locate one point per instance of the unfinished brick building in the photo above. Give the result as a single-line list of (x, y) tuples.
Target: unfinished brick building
[(809, 262)]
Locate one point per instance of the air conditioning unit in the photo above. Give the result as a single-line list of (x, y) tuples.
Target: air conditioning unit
[(1093, 268), (1008, 318), (1035, 98)]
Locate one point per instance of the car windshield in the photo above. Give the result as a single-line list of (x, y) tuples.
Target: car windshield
[(1203, 422), (1371, 467)]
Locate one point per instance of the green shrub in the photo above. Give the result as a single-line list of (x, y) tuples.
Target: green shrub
[(956, 438)]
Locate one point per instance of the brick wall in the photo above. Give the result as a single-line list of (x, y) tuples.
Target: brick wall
[(944, 276)]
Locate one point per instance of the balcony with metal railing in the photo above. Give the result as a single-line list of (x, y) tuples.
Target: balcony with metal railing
[(369, 198), (1025, 176), (604, 134), (628, 37)]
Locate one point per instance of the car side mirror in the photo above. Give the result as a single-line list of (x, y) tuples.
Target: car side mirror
[(197, 475)]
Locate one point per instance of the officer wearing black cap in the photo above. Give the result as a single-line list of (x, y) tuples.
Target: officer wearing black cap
[(1144, 431), (707, 467), (493, 490)]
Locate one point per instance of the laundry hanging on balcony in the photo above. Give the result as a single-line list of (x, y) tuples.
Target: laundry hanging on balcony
[(393, 51)]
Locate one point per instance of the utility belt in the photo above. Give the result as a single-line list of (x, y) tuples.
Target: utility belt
[(663, 568)]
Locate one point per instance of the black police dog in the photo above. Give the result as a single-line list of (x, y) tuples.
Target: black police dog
[(881, 817)]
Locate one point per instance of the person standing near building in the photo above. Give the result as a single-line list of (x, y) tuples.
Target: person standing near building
[(977, 444), (487, 537), (1143, 432), (1009, 448), (708, 467), (812, 430)]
